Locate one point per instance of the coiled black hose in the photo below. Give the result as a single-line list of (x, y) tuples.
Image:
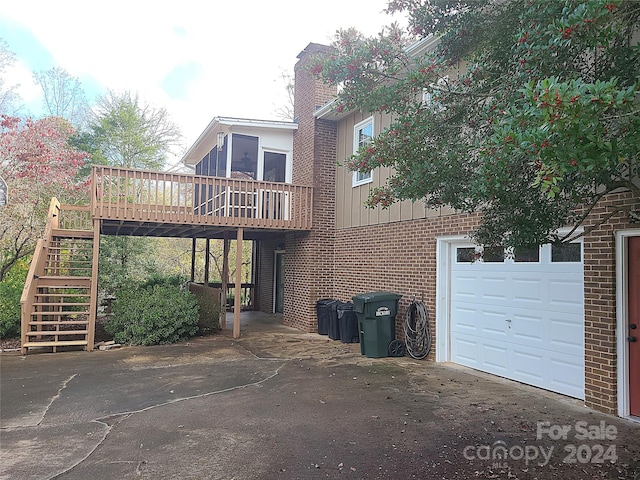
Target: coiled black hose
[(416, 330)]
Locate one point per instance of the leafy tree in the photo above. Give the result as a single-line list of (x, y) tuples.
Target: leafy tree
[(126, 132), (37, 163), (526, 111), (63, 95)]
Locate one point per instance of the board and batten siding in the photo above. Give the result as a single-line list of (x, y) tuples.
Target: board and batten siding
[(350, 208)]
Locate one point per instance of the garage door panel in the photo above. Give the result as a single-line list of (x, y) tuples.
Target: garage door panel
[(465, 287), (528, 329), (527, 291), (466, 350), (464, 318), (566, 293), (493, 289), (567, 376), (528, 365), (523, 321), (495, 358), (480, 320), (564, 336)]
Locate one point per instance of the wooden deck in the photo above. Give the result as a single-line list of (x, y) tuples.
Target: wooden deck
[(144, 203)]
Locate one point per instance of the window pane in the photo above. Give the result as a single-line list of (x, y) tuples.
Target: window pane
[(365, 134), (274, 167), (361, 177), (493, 255), (530, 255), (244, 156), (465, 254), (566, 252)]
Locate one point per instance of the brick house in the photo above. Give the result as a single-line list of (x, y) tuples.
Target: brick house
[(557, 318)]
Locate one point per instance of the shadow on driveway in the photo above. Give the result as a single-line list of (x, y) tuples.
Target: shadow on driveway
[(278, 403)]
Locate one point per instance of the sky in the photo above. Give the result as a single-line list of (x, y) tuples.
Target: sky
[(198, 59)]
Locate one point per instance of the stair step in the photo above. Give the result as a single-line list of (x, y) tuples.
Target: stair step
[(59, 313), (64, 233), (62, 294), (57, 332), (66, 322), (61, 304), (62, 343), (64, 281)]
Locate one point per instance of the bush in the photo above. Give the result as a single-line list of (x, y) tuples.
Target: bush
[(150, 316), (10, 291)]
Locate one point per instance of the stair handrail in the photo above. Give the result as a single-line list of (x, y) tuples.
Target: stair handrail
[(36, 269)]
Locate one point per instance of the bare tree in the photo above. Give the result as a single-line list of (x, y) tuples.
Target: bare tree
[(9, 98), (285, 111), (63, 95)]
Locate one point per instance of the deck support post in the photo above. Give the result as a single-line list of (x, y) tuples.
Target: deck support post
[(193, 259), (236, 299), (224, 280), (93, 299), (207, 255)]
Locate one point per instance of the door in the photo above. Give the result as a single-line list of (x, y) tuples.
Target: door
[(520, 318), (279, 283), (633, 332)]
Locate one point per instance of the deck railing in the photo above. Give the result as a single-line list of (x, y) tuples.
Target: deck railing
[(138, 195), (37, 267), (75, 217)]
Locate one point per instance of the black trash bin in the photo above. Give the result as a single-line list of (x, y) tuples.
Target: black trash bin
[(348, 323), (325, 309), (333, 325), (376, 313)]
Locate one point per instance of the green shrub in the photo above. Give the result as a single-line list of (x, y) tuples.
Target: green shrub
[(156, 278), (10, 291), (150, 316)]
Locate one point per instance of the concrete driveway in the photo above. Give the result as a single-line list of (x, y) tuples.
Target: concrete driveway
[(278, 403)]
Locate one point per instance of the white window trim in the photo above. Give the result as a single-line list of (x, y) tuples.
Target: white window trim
[(356, 182)]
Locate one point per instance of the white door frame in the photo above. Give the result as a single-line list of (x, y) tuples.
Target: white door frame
[(622, 317), (444, 249)]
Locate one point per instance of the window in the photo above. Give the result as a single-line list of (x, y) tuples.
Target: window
[(275, 166), (530, 255), (429, 94), (566, 252), (493, 255), (362, 136), (466, 254)]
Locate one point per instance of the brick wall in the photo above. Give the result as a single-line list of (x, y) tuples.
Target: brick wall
[(600, 304), (309, 271), (401, 256)]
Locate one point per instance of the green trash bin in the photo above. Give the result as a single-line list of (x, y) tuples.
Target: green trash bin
[(376, 313)]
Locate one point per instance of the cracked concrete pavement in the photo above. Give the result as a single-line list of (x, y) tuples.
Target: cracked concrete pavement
[(278, 403)]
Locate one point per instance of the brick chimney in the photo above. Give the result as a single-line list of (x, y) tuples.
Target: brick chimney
[(309, 263)]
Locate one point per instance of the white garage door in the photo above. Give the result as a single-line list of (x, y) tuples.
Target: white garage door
[(521, 318)]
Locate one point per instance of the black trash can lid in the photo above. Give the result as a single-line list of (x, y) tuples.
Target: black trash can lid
[(376, 296), (326, 301)]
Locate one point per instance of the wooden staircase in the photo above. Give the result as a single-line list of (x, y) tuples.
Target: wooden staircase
[(59, 299)]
